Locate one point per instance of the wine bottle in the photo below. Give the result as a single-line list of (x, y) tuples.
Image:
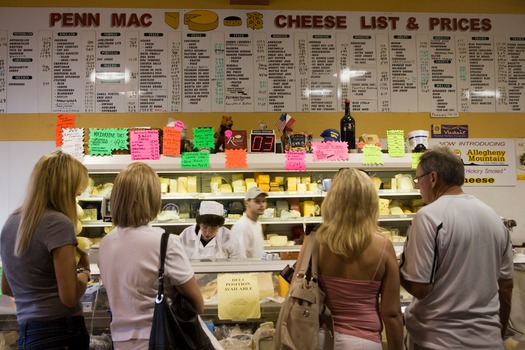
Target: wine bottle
[(348, 126)]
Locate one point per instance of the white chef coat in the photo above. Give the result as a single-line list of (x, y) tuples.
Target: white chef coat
[(223, 246)]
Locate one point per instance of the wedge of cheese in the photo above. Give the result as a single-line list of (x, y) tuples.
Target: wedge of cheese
[(172, 19)]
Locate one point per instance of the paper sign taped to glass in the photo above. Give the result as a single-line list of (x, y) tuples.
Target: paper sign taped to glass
[(238, 296)]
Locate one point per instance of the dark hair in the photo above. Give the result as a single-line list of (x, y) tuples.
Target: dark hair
[(446, 163), (210, 220)]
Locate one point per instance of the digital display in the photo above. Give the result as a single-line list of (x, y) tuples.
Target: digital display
[(262, 141)]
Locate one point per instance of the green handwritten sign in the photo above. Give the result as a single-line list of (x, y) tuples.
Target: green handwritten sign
[(415, 158), (103, 142), (203, 138), (396, 143), (195, 160), (372, 155)]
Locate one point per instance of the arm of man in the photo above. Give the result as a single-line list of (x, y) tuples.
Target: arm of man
[(505, 296), (418, 290)]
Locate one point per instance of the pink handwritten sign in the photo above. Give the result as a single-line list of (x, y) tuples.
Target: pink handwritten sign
[(144, 144), (179, 125), (295, 160), (329, 151)]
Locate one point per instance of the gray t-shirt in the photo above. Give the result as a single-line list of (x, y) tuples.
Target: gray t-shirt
[(460, 245), (32, 276)]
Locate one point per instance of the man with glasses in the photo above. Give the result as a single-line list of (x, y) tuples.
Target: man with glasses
[(248, 229), (457, 263)]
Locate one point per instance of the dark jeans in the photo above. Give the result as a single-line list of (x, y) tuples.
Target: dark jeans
[(63, 333)]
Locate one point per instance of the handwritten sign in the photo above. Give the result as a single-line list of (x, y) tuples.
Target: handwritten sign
[(144, 144), (171, 141), (414, 159), (298, 142), (238, 296), (203, 138), (63, 121), (178, 125), (295, 160), (396, 143), (329, 151), (73, 142), (195, 160), (236, 158), (104, 141), (372, 155)]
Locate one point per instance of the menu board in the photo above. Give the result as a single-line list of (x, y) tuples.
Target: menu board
[(92, 60)]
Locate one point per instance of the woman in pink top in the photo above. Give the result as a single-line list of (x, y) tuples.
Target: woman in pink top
[(358, 267)]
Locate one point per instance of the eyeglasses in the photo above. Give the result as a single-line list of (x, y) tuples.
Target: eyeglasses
[(416, 179)]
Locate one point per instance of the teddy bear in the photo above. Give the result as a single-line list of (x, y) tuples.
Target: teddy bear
[(226, 124)]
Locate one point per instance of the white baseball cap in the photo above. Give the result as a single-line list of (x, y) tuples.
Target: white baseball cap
[(254, 192), (211, 207)]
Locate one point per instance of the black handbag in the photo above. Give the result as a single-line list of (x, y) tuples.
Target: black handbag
[(176, 325)]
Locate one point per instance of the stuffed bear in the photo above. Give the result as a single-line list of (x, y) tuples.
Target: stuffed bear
[(226, 124)]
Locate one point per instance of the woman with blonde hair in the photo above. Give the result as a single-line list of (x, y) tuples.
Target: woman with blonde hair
[(129, 258), (38, 249), (358, 267)]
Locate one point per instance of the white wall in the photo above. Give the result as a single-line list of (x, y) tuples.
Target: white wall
[(17, 160)]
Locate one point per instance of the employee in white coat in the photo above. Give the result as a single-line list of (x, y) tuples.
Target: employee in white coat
[(209, 239)]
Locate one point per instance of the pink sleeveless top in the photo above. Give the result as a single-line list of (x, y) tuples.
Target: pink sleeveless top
[(355, 305)]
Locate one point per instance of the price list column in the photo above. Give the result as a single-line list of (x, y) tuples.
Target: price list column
[(67, 68), (196, 72), (404, 73), (322, 64), (3, 70), (22, 71), (500, 46), (481, 74), (343, 67), (218, 72), (153, 75), (132, 69), (281, 75), (110, 72), (516, 57), (45, 96), (363, 74), (383, 73), (261, 72), (443, 77), (175, 71), (239, 72), (462, 73), (303, 91), (423, 70), (88, 79)]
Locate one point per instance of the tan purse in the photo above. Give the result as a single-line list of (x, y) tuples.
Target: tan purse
[(303, 311)]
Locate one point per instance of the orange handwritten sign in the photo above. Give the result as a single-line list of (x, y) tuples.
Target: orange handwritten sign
[(63, 121), (171, 141), (236, 158)]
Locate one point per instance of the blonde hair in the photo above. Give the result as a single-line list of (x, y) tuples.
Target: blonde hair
[(56, 180), (136, 196), (350, 212)]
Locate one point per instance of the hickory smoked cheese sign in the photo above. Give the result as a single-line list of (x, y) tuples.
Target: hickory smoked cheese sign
[(153, 60)]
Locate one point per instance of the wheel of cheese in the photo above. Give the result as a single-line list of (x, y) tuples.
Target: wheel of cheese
[(172, 19), (201, 20), (232, 21)]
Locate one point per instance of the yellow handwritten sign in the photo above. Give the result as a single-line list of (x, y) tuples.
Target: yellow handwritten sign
[(238, 296)]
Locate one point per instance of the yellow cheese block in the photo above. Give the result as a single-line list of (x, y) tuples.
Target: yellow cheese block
[(249, 179), (192, 184), (236, 177), (182, 184), (278, 240), (225, 188), (201, 20), (263, 179), (172, 19), (250, 185)]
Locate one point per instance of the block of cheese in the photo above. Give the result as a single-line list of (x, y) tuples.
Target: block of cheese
[(225, 188), (278, 240), (377, 182), (236, 177), (396, 211), (239, 188), (201, 20), (172, 19), (279, 180), (383, 206), (312, 187), (237, 183), (250, 185), (306, 180), (182, 184), (265, 187), (249, 179), (192, 184), (263, 179)]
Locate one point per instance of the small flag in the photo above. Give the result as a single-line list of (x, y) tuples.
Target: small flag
[(285, 121)]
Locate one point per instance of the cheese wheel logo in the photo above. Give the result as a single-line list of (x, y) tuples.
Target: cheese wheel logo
[(172, 19), (232, 21), (201, 20)]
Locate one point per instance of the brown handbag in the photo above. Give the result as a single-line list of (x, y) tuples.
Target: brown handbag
[(303, 311)]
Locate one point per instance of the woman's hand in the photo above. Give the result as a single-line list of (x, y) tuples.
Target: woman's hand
[(84, 259)]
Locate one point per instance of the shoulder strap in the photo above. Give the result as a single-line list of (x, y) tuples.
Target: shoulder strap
[(380, 259), (163, 248)]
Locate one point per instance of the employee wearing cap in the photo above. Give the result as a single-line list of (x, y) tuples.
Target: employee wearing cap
[(209, 238), (248, 228)]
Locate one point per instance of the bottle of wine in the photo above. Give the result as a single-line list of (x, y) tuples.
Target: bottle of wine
[(348, 126)]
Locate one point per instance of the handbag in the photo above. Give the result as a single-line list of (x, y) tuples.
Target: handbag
[(303, 310), (176, 325)]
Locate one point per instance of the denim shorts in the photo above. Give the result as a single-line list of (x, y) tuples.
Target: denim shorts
[(63, 333)]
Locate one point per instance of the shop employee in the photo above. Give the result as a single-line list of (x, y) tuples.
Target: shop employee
[(209, 239)]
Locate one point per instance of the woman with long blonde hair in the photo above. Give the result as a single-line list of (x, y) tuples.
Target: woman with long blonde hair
[(38, 249), (358, 267)]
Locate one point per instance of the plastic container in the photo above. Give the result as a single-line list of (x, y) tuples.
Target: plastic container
[(415, 138)]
